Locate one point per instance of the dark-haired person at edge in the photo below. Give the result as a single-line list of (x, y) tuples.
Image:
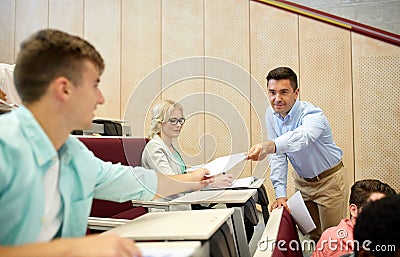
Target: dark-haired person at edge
[(299, 132), (376, 233), (338, 240), (48, 178)]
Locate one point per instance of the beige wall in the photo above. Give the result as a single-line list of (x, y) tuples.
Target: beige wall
[(155, 50)]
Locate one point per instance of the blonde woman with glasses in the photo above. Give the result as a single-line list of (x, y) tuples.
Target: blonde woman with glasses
[(160, 154)]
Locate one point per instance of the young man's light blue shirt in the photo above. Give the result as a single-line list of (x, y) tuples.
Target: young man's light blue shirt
[(27, 153), (305, 138)]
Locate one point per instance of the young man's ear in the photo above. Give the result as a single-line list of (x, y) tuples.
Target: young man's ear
[(63, 87), (353, 210)]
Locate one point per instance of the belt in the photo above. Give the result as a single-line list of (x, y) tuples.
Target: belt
[(325, 173)]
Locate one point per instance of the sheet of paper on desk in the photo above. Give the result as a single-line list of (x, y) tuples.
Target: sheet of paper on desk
[(237, 183), (300, 214), (243, 182), (221, 164), (167, 253), (197, 196)]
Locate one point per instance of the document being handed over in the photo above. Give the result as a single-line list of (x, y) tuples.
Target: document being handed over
[(221, 164)]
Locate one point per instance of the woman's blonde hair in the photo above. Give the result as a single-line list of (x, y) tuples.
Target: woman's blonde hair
[(160, 113)]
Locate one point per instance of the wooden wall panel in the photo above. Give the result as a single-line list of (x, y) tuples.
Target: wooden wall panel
[(274, 43), (102, 28), (7, 31), (325, 80), (67, 16), (182, 76), (376, 76), (140, 61), (30, 16), (227, 96)]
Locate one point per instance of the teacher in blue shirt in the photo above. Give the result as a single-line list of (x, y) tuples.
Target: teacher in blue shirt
[(299, 132)]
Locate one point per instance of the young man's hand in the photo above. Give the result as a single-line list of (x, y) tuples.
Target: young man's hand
[(3, 95), (202, 176)]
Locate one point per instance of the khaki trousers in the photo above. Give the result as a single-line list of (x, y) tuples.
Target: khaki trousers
[(326, 200)]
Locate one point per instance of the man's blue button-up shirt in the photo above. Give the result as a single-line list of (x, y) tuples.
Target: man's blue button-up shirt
[(305, 138)]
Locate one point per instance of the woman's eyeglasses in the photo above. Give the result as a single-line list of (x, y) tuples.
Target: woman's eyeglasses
[(175, 121)]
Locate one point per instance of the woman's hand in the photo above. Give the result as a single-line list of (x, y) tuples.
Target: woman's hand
[(223, 180)]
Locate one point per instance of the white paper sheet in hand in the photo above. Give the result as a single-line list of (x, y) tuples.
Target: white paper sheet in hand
[(300, 214), (221, 164)]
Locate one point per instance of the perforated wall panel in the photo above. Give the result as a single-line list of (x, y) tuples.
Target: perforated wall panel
[(377, 110), (66, 16), (140, 61), (274, 42), (102, 28), (325, 81), (227, 94), (7, 31), (182, 78)]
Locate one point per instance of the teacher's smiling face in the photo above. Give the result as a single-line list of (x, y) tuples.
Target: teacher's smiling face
[(281, 95)]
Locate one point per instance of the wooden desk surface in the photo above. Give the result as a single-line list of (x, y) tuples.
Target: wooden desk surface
[(174, 225)]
